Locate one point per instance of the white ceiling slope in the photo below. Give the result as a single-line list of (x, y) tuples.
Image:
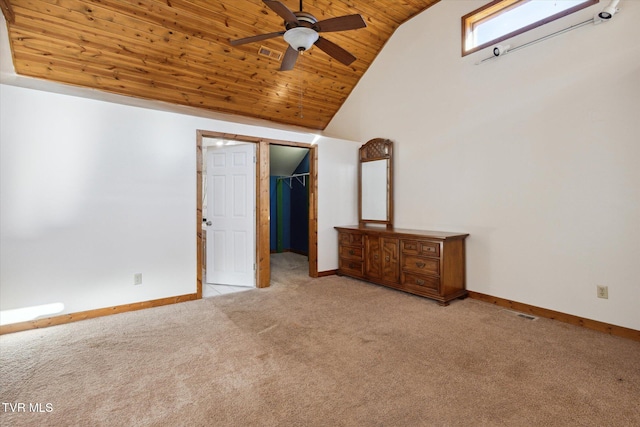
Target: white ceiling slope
[(284, 160)]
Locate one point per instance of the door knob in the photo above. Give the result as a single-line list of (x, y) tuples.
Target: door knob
[(209, 223)]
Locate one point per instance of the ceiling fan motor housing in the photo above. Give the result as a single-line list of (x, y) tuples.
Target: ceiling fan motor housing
[(304, 20), (302, 36)]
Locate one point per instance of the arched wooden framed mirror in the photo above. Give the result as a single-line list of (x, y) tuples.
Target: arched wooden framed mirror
[(375, 183)]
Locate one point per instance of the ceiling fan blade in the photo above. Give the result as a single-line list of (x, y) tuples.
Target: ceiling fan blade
[(289, 60), (255, 38), (335, 51), (282, 10), (342, 23)]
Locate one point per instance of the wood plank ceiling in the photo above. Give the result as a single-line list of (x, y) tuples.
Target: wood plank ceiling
[(178, 51)]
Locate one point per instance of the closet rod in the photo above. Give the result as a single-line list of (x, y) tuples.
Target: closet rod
[(296, 176)]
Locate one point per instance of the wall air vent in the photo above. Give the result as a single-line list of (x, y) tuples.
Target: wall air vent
[(273, 54)]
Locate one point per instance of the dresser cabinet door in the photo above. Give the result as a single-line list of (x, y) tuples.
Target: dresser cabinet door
[(390, 259), (373, 255), (382, 258)]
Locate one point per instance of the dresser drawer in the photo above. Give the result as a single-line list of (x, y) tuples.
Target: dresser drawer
[(350, 252), (354, 239), (351, 267), (421, 247), (416, 282), (420, 265)]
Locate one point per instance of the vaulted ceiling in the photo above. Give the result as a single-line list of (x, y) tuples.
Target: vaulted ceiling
[(178, 51)]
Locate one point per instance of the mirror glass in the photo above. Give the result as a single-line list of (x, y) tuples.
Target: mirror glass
[(374, 190)]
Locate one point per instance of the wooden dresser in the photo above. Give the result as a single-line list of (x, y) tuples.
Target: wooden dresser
[(426, 263)]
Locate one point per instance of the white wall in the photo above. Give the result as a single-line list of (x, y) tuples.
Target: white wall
[(93, 192), (534, 154), (337, 195)]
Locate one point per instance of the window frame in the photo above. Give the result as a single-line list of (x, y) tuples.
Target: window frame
[(497, 7)]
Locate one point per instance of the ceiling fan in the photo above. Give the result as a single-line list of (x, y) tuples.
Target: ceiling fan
[(301, 32)]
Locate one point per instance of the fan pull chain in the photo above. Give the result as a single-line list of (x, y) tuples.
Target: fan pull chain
[(300, 83)]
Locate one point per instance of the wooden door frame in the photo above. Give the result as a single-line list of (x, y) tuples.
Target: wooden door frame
[(263, 252)]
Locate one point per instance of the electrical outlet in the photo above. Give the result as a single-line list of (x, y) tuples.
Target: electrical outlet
[(603, 292), (137, 279)]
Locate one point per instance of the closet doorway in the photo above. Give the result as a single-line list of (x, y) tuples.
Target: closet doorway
[(289, 199), (263, 204)]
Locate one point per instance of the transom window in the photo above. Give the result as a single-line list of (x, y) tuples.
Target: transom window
[(502, 19)]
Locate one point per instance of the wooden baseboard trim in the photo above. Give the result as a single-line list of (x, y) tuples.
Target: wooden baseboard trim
[(607, 328), (619, 331), (327, 273), (90, 314)]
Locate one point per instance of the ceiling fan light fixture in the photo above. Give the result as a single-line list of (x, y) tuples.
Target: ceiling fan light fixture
[(301, 38)]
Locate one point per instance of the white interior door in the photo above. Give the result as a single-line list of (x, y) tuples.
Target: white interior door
[(231, 207)]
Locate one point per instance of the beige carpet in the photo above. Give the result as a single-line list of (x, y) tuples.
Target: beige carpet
[(319, 352)]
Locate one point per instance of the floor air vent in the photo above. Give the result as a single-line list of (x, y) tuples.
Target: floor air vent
[(522, 315), (273, 54)]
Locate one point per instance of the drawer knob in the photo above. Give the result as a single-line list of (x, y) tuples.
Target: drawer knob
[(352, 265), (420, 264), (351, 252), (419, 282), (387, 258), (431, 249)]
